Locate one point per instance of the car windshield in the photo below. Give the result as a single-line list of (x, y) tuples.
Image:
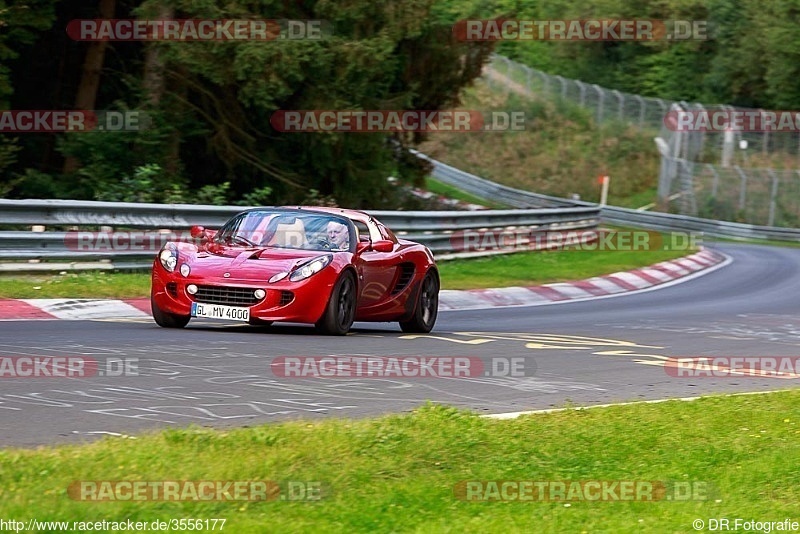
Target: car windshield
[(288, 229)]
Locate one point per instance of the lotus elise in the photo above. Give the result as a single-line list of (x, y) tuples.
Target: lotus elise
[(324, 266)]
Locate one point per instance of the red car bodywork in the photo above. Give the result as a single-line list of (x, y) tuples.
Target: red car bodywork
[(387, 280)]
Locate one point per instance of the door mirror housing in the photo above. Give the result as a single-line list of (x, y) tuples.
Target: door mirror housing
[(198, 232), (384, 245)]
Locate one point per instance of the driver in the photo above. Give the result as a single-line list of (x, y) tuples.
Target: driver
[(338, 235)]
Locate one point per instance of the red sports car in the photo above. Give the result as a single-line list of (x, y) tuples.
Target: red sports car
[(326, 266)]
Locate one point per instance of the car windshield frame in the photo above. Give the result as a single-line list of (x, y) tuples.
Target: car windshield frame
[(300, 230)]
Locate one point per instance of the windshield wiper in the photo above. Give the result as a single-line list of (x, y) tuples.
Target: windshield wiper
[(237, 239)]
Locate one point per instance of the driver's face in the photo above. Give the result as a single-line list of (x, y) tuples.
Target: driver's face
[(337, 234)]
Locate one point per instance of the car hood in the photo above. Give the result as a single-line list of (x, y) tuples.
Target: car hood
[(246, 264)]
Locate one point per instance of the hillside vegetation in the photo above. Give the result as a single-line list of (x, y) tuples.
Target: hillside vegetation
[(561, 152)]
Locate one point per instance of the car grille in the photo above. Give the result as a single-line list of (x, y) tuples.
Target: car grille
[(286, 297), (228, 296)]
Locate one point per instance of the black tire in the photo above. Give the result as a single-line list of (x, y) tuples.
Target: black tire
[(165, 319), (341, 309), (427, 307)]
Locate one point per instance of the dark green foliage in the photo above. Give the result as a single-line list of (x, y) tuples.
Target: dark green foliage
[(211, 137)]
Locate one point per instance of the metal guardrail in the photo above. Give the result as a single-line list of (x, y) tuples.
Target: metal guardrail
[(535, 213), (494, 192), (154, 223)]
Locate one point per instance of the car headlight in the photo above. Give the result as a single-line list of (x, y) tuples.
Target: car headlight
[(310, 267), (278, 277), (168, 257)]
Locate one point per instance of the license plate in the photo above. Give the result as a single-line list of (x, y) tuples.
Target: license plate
[(217, 311)]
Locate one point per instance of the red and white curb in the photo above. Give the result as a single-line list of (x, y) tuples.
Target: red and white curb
[(612, 285), (73, 309), (622, 283)]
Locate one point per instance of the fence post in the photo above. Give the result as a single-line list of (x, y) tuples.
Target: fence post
[(773, 197), (664, 175), (509, 77), (715, 181), (742, 186), (601, 96), (642, 106), (582, 87), (528, 78), (620, 100), (563, 86)]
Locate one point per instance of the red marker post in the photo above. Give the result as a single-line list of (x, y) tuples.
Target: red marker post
[(603, 180)]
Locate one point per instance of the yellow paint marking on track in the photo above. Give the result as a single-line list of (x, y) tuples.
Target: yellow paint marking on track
[(658, 363), (558, 341), (451, 340), (630, 353)]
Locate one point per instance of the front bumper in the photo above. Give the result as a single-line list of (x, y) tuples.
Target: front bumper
[(310, 296)]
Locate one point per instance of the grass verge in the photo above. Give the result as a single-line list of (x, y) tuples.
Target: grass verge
[(76, 285), (561, 152), (522, 268), (533, 268), (397, 473), (435, 186)]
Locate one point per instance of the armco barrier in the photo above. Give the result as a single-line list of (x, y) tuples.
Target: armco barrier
[(494, 192), (56, 250), (433, 228)]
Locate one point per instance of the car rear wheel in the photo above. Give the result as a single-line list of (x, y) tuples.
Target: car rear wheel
[(341, 309), (166, 319), (427, 307)]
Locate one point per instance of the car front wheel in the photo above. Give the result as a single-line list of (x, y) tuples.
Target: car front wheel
[(427, 307), (341, 309), (166, 319)]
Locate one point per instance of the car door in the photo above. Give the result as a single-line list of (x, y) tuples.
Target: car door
[(376, 270)]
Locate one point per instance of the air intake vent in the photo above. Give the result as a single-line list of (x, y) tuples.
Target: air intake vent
[(286, 297), (404, 278), (229, 296), (172, 289)]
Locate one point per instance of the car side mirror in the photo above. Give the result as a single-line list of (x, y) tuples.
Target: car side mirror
[(198, 232), (363, 246), (384, 245)]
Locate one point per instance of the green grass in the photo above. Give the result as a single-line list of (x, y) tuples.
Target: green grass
[(532, 268), (561, 152), (397, 473), (76, 285), (523, 268), (439, 188)]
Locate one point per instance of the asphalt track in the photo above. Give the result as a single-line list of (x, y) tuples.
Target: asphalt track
[(582, 353)]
